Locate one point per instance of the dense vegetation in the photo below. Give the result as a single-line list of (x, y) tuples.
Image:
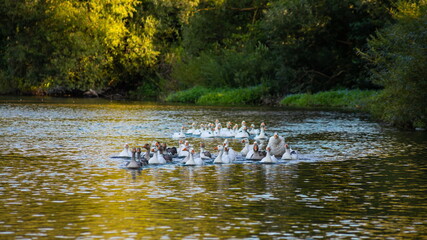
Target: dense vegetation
[(234, 51), (350, 99)]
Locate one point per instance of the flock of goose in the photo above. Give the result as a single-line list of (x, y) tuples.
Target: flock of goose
[(158, 153)]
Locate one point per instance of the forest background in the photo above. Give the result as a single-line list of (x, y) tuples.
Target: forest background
[(221, 51)]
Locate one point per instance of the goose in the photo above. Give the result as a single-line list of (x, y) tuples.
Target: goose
[(230, 150), (203, 153), (289, 154), (253, 131), (246, 148), (276, 144), (154, 159), (188, 155), (228, 157), (198, 132), (126, 153), (140, 159), (242, 133), (218, 158), (235, 130), (269, 158), (261, 135), (169, 151), (190, 161), (179, 134), (191, 130), (243, 126), (159, 153), (184, 153), (228, 131), (197, 160), (255, 153), (133, 164), (217, 130), (146, 157), (207, 133)]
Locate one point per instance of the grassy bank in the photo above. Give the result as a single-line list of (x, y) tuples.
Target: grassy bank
[(348, 99), (205, 96)]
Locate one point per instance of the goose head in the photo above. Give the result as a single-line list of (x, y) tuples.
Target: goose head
[(256, 147)]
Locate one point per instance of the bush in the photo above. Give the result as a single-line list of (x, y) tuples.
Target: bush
[(399, 56), (239, 96), (204, 96), (354, 99), (188, 96)]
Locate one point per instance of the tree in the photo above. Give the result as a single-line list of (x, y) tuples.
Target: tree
[(399, 57)]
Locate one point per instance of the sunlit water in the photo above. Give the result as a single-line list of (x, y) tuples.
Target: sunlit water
[(356, 179)]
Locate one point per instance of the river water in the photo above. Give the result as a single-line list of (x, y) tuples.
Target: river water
[(355, 179)]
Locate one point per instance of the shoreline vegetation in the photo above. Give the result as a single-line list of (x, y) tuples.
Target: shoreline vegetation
[(344, 99), (145, 50)]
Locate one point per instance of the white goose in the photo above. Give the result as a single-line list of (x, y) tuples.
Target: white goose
[(227, 132), (246, 148), (154, 159), (190, 161), (191, 130), (276, 144), (232, 154), (179, 134), (218, 158), (198, 131), (207, 133), (184, 153), (228, 156), (242, 133), (289, 154), (253, 131), (269, 158), (197, 160), (261, 135), (126, 153)]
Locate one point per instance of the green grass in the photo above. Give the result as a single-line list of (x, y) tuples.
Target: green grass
[(236, 96), (352, 99)]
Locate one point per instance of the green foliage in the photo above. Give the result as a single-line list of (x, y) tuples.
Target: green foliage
[(313, 41), (226, 68), (240, 96), (206, 96), (399, 55), (188, 96), (353, 99), (60, 46)]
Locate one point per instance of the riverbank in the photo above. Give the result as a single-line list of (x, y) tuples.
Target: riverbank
[(348, 99), (238, 96), (354, 100)]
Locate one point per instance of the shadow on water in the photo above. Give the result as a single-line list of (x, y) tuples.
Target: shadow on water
[(356, 179)]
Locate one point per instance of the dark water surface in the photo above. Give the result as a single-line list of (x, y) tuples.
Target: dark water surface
[(356, 179)]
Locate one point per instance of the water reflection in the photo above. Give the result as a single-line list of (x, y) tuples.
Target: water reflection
[(355, 179)]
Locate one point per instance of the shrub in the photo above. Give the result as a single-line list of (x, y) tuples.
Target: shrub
[(188, 96), (340, 98), (239, 96), (399, 56)]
